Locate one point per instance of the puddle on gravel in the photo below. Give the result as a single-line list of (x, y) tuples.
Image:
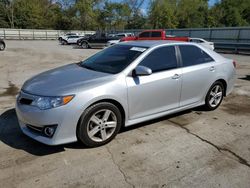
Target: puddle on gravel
[(237, 105), (12, 90)]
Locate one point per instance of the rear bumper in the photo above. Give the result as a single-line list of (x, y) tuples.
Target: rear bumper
[(230, 83)]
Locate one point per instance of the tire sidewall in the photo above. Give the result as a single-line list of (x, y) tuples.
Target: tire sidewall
[(64, 42), (208, 106), (82, 126), (84, 45), (2, 46)]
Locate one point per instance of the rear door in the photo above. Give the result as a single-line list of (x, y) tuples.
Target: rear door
[(72, 39), (198, 74)]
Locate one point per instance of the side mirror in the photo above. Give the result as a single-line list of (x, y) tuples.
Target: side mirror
[(141, 71)]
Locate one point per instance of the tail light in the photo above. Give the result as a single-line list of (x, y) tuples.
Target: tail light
[(234, 63)]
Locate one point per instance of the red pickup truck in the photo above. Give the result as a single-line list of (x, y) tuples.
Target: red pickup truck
[(154, 35)]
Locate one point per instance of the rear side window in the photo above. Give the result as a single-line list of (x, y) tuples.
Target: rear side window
[(163, 58), (156, 34), (192, 55), (144, 34)]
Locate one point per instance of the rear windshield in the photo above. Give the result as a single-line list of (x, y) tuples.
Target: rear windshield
[(113, 59)]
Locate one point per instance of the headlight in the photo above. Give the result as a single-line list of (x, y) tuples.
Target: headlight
[(44, 103)]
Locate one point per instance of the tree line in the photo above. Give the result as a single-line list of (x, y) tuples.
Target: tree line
[(124, 14)]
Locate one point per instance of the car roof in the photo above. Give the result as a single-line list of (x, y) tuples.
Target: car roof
[(153, 30), (151, 43)]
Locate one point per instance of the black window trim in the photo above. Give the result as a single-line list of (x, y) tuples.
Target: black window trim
[(145, 32), (151, 34), (179, 65), (180, 57)]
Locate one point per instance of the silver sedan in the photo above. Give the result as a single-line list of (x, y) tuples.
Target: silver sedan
[(122, 85)]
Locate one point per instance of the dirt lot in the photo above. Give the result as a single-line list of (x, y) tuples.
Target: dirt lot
[(191, 149)]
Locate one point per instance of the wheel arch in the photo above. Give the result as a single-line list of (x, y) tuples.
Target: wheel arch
[(224, 83), (85, 41), (112, 101)]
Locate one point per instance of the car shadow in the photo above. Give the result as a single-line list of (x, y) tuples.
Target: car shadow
[(164, 118), (247, 77), (11, 134)]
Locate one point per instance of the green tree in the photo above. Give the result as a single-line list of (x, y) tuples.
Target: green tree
[(162, 14), (232, 13), (192, 13), (115, 15)]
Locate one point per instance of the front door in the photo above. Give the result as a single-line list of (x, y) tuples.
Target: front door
[(159, 91)]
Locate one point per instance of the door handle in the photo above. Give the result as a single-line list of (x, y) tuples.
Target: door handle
[(176, 76), (212, 68)]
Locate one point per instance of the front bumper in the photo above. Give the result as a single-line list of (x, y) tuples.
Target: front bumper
[(64, 118)]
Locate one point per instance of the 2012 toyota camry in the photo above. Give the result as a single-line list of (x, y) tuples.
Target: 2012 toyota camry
[(120, 86)]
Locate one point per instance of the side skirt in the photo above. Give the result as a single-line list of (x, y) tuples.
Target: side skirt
[(161, 114)]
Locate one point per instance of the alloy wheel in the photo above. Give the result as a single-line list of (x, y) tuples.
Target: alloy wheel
[(215, 96), (101, 125)]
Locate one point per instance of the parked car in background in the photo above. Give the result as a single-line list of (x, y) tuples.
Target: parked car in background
[(112, 42), (100, 40), (207, 44), (125, 84), (2, 45), (154, 35), (60, 38), (71, 39), (119, 35)]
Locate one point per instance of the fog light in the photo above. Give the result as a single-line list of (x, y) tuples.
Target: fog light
[(49, 131)]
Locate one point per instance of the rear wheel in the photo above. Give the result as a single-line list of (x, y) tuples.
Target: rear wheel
[(85, 45), (214, 96), (99, 124)]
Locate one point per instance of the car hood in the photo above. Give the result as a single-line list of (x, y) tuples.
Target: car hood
[(63, 80)]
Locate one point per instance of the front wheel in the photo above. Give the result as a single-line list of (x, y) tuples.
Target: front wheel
[(99, 124), (64, 42), (2, 46), (214, 96)]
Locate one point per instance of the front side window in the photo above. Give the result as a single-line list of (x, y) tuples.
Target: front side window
[(192, 55), (144, 34), (163, 58), (113, 59)]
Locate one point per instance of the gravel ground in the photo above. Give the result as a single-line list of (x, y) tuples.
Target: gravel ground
[(190, 149)]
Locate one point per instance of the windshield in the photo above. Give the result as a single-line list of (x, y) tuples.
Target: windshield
[(113, 59)]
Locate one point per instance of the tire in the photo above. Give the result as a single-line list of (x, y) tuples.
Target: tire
[(93, 124), (64, 42), (85, 45), (214, 96), (2, 46)]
